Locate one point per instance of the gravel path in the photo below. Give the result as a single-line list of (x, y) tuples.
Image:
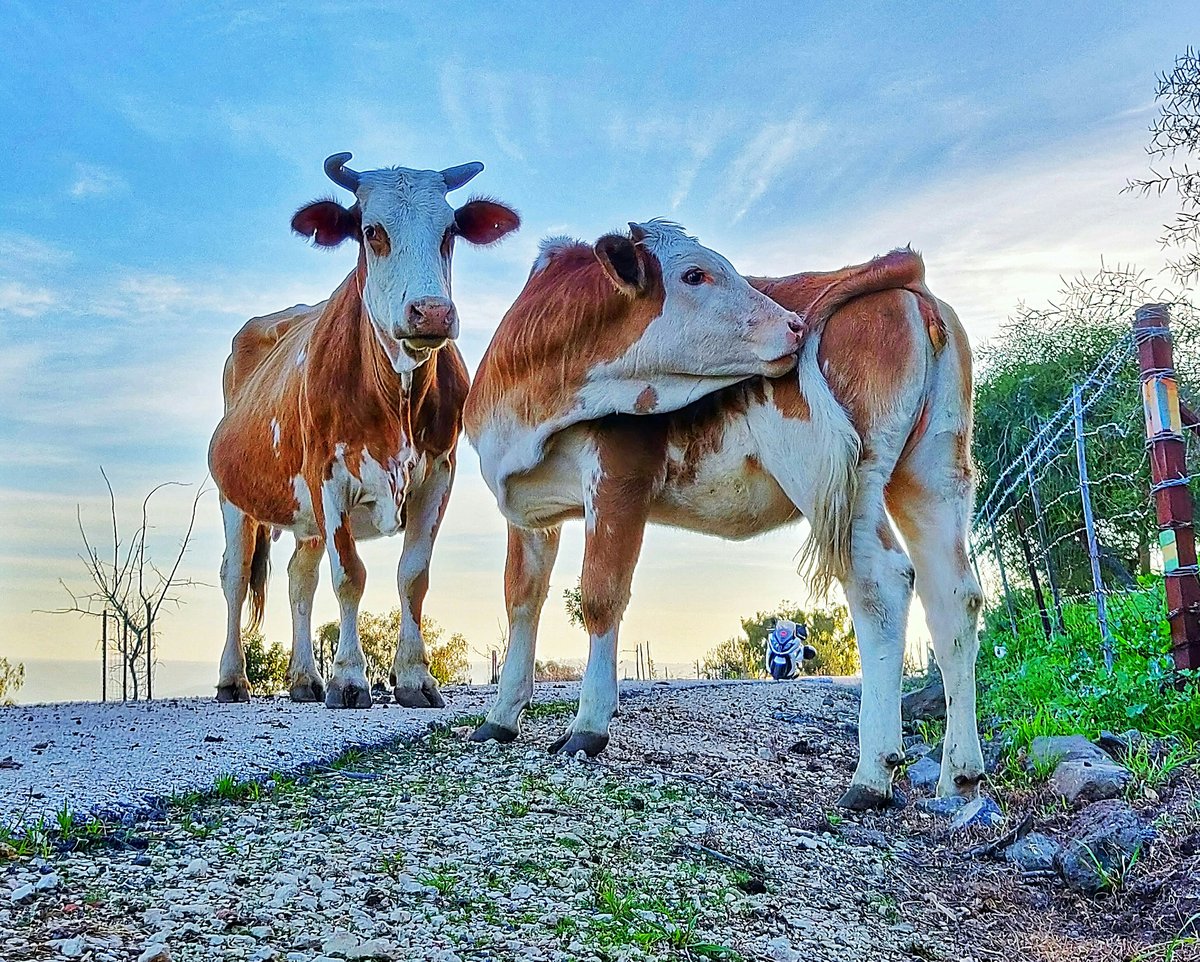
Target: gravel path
[(706, 831)]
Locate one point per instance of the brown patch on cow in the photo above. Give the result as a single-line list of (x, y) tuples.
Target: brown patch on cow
[(789, 398), (632, 452), (886, 536), (571, 313), (647, 401), (343, 544)]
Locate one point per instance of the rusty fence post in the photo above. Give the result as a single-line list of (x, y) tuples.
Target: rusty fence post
[(1169, 480)]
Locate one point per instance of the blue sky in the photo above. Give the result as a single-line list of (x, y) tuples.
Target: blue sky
[(155, 152)]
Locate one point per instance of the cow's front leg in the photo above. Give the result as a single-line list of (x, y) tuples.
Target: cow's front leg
[(304, 679), (616, 505), (412, 684), (527, 570), (348, 686)]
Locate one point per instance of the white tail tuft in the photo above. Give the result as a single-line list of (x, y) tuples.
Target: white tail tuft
[(836, 450)]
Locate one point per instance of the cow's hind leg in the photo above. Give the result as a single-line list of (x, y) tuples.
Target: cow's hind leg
[(348, 686), (930, 498), (616, 506), (879, 590), (303, 677), (233, 685), (412, 684), (527, 570)]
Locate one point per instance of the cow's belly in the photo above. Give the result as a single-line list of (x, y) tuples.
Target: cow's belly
[(724, 492)]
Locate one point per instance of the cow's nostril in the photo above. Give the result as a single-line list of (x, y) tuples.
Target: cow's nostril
[(796, 324)]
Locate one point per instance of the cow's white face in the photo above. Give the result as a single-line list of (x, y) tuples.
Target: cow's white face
[(407, 229), (712, 322)]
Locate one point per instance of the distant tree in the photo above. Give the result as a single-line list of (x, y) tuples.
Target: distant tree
[(573, 599), (830, 632), (379, 634), (266, 668), (556, 671), (128, 585), (12, 677)]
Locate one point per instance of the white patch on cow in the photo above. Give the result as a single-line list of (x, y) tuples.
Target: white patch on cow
[(548, 248), (592, 472), (382, 488), (300, 357), (304, 522), (275, 435)]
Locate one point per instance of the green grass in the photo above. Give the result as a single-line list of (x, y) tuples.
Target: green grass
[(551, 709), (626, 917), (444, 882), (1061, 686)]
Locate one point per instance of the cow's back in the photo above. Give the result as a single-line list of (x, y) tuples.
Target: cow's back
[(287, 330)]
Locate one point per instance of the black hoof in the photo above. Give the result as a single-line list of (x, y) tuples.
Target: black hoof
[(859, 798), (488, 732), (348, 696), (427, 696), (233, 694), (309, 691), (591, 743)]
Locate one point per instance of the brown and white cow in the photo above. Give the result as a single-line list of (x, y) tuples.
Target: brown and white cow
[(884, 362), (341, 422)]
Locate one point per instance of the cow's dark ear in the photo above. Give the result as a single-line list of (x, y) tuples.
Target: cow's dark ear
[(482, 221), (327, 223), (619, 258)]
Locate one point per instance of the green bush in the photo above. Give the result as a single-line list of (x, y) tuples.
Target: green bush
[(1061, 686)]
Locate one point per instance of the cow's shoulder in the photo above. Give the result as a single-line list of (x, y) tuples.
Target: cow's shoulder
[(270, 336)]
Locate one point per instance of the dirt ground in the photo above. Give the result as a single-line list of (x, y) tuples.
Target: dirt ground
[(707, 830)]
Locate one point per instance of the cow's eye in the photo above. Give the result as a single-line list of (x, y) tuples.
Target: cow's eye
[(369, 232), (694, 276)]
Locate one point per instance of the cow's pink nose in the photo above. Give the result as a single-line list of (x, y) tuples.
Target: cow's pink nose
[(430, 317)]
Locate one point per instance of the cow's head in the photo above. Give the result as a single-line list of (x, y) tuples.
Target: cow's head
[(711, 323), (406, 230)]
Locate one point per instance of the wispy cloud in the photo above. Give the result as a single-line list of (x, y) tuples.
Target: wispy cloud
[(767, 154), (25, 300), (92, 180)]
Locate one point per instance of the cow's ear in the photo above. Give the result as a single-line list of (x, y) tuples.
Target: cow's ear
[(482, 221), (619, 258), (327, 222)]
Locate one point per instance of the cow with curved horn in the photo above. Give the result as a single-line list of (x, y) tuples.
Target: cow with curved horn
[(341, 421), (613, 392)]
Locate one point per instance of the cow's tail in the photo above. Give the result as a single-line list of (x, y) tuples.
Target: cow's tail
[(836, 449), (260, 569)]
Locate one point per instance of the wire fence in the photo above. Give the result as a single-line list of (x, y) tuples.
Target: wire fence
[(1070, 521)]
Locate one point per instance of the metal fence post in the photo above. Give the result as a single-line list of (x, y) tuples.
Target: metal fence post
[(1039, 521), (1085, 494), (1168, 474)]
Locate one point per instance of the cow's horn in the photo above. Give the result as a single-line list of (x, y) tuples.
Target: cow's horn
[(339, 173), (455, 177)]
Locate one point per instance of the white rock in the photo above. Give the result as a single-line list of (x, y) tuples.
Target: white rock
[(196, 867), (22, 893), (47, 883)]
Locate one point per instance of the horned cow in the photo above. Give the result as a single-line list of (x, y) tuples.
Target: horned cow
[(341, 422)]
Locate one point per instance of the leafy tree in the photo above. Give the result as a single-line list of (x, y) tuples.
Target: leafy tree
[(448, 660), (830, 631), (12, 677), (573, 599), (379, 633), (266, 668)]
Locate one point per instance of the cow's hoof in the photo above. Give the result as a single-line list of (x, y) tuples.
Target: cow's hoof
[(490, 732), (860, 798), (424, 696), (591, 743), (348, 696), (232, 694), (308, 691)]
